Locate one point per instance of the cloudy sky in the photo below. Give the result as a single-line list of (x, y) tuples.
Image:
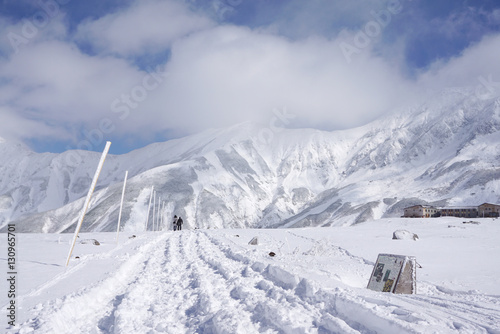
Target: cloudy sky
[(75, 73)]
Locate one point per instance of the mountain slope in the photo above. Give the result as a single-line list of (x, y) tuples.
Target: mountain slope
[(444, 151)]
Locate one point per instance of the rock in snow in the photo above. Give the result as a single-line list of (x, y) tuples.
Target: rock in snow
[(90, 241), (254, 241), (404, 235)]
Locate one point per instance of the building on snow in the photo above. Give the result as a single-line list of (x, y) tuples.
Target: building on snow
[(488, 210), (426, 211), (420, 211)]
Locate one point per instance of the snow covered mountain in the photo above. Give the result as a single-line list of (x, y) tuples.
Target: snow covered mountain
[(445, 151)]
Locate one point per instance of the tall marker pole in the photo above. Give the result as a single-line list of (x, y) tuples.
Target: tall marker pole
[(149, 208), (162, 209), (154, 209), (87, 200), (121, 206), (158, 216)]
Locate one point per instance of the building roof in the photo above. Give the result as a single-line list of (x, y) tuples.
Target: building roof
[(457, 207), (421, 206)]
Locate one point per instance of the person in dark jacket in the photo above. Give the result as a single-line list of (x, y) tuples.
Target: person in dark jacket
[(175, 222), (179, 223)]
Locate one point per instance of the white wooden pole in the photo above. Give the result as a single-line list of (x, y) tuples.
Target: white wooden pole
[(149, 208), (158, 215), (87, 200), (162, 210), (121, 206), (154, 209)]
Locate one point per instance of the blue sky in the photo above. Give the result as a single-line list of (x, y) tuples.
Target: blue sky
[(74, 73)]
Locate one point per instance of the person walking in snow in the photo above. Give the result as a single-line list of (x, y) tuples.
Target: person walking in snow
[(179, 223), (175, 222)]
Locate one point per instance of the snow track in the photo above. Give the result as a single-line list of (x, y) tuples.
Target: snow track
[(200, 282)]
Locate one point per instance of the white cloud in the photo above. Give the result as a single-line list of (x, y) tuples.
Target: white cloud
[(55, 83), (41, 26), (231, 74), (17, 126), (146, 26), (478, 61), (217, 76)]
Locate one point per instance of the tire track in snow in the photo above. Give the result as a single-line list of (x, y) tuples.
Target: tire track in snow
[(214, 311), (155, 300), (390, 313), (176, 293), (276, 298), (318, 307), (460, 314), (132, 310)]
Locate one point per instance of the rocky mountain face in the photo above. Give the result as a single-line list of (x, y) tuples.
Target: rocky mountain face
[(444, 152)]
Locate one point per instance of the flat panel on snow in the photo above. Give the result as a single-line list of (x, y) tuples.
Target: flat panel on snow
[(394, 273)]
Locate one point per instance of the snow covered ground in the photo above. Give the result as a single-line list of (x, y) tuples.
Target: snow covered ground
[(213, 281)]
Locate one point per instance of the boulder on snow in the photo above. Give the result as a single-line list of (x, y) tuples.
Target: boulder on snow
[(90, 241), (404, 235)]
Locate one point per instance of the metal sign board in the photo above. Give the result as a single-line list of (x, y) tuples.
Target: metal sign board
[(394, 273)]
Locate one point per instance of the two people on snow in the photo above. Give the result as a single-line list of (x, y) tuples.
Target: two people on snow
[(177, 223)]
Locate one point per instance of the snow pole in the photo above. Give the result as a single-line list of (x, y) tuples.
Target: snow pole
[(158, 214), (121, 206), (87, 200), (162, 209), (154, 210), (149, 208)]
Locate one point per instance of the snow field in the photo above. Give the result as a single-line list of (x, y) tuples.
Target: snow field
[(74, 312), (213, 281)]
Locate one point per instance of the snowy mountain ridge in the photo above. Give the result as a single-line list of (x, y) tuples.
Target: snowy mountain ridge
[(444, 151)]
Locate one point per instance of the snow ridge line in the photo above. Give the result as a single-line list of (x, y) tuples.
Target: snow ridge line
[(76, 311)]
